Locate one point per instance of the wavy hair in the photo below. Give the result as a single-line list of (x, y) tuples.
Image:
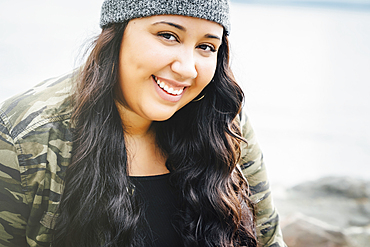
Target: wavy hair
[(201, 141)]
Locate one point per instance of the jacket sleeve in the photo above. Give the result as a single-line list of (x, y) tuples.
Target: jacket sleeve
[(254, 170), (14, 210)]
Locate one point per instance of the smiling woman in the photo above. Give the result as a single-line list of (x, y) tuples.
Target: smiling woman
[(141, 146), (161, 56)]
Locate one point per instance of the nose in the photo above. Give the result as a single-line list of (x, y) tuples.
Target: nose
[(184, 64)]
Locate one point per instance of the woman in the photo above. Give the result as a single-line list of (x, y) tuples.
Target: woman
[(140, 146)]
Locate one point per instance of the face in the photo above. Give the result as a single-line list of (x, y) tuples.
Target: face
[(165, 62)]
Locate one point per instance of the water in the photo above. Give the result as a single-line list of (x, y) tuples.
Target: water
[(305, 72)]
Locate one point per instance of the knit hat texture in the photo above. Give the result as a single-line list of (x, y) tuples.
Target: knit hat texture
[(116, 11)]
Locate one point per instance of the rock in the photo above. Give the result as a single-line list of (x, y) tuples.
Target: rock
[(358, 236), (368, 189), (336, 186), (359, 221), (337, 211), (328, 212), (303, 231), (365, 208)]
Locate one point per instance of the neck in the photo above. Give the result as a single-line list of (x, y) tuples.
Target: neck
[(144, 157), (133, 124)]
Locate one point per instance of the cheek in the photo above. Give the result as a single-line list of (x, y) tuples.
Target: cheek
[(148, 58), (206, 71)]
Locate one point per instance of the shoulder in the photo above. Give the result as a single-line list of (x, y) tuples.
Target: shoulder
[(37, 126), (251, 158), (47, 102)]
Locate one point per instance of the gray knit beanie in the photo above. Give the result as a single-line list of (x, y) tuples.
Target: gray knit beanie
[(116, 11)]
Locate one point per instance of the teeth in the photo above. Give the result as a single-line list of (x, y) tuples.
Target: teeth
[(166, 88)]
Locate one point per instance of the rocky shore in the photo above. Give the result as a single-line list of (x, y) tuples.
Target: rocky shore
[(328, 212)]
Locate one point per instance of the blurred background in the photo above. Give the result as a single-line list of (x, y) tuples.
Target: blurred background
[(304, 67), (305, 70)]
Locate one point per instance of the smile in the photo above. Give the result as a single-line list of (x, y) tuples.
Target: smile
[(166, 88)]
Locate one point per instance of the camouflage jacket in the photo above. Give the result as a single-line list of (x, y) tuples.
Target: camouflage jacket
[(35, 150)]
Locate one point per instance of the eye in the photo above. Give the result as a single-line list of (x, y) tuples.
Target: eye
[(206, 47), (168, 36)]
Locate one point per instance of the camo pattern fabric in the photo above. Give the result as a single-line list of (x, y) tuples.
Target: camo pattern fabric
[(254, 170), (35, 150)]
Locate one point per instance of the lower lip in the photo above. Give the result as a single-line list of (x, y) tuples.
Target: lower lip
[(166, 96)]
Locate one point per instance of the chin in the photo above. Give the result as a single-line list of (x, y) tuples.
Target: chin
[(159, 115)]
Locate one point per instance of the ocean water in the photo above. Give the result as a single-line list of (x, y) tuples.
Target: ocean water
[(305, 71)]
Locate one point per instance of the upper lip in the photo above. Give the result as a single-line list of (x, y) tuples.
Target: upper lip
[(172, 83)]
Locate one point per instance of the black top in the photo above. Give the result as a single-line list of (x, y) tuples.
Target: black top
[(161, 204)]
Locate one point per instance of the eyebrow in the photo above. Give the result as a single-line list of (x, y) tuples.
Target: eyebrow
[(210, 36), (171, 24)]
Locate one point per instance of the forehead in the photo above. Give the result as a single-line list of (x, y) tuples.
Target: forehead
[(187, 23)]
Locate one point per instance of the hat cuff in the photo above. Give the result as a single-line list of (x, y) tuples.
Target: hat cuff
[(118, 11)]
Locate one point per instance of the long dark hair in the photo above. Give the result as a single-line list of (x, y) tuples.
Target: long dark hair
[(201, 141)]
